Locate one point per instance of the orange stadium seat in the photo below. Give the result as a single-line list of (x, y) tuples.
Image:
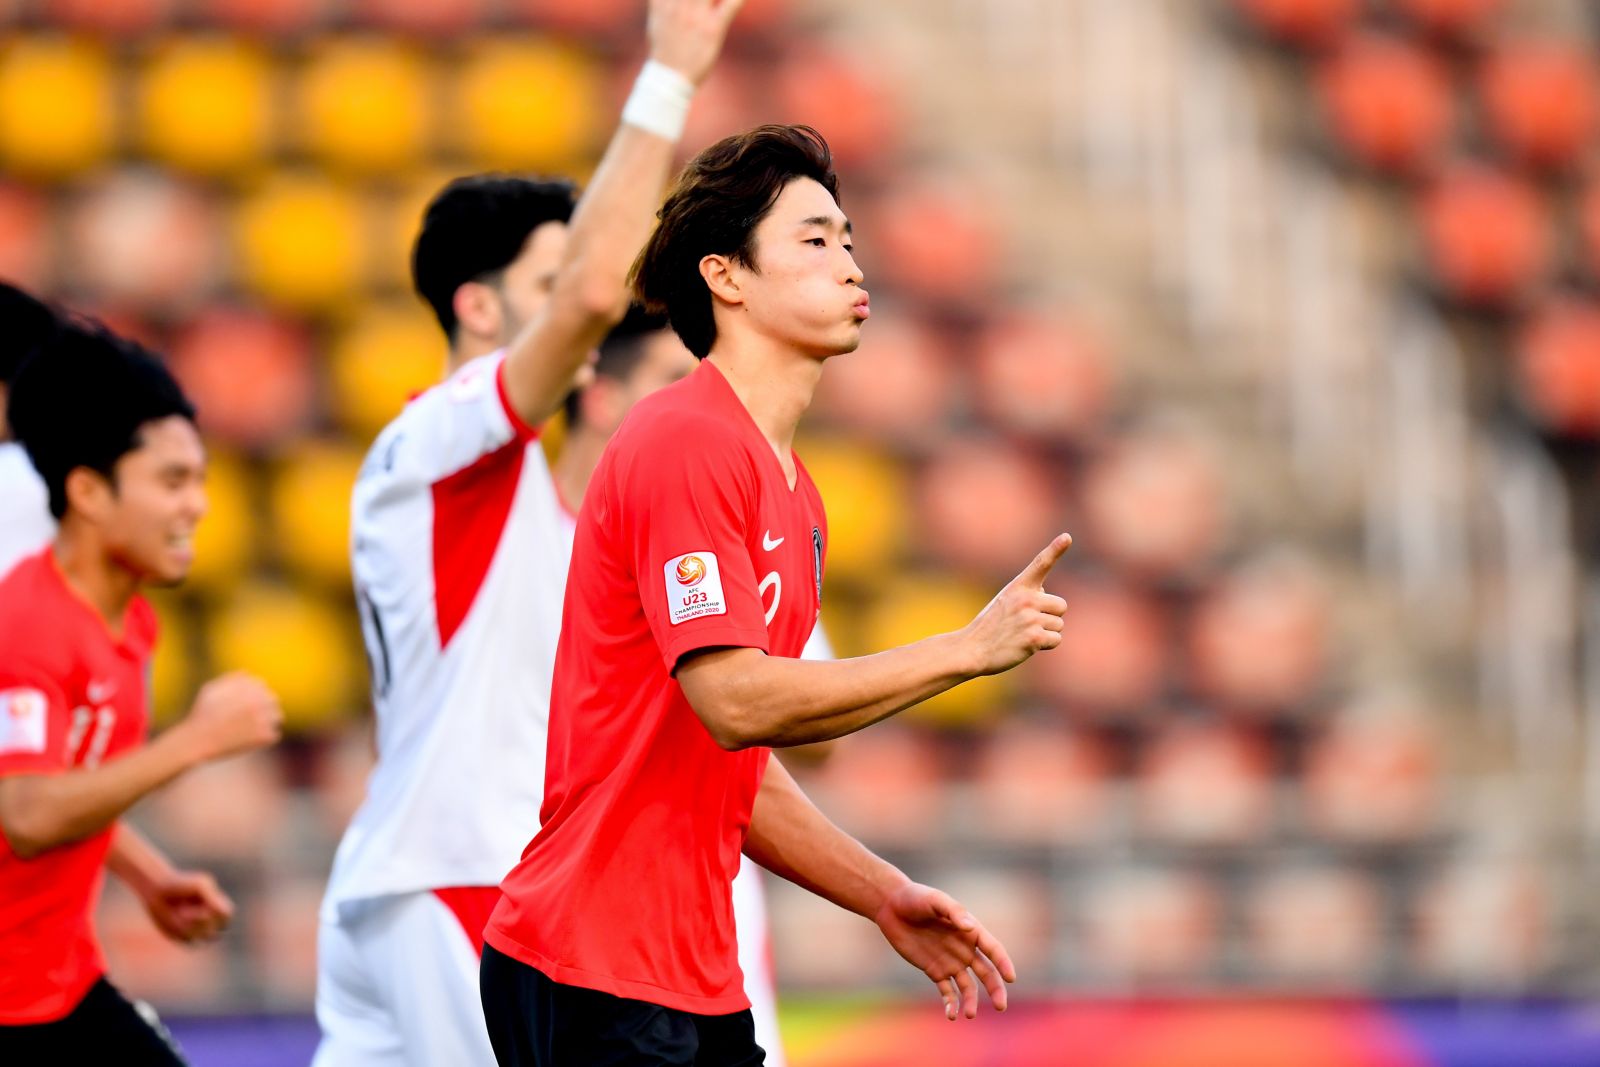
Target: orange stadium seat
[(300, 645), (1388, 101), (1485, 925), (593, 18), (898, 385), (913, 607), (399, 214), (1558, 368), (1452, 18), (1304, 22), (1316, 925), (1153, 506), (849, 100), (379, 361), (1043, 376), (1015, 906), (425, 17), (118, 18), (207, 105), (57, 106), (27, 251), (147, 966), (884, 785), (365, 104), (311, 509), (1149, 924), (1041, 785), (138, 237), (1259, 639), (1486, 235), (866, 495), (937, 241), (225, 542), (264, 16), (249, 374), (530, 105), (1541, 99), (989, 507), (732, 99), (1114, 659), (1205, 784), (1373, 778), (283, 939), (233, 812), (300, 242), (816, 943)]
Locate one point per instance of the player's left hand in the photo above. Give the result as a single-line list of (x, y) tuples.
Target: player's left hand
[(939, 937), (189, 906)]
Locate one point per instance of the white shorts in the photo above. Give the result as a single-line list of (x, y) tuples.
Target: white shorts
[(397, 986)]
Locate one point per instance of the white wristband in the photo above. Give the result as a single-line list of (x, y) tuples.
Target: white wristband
[(659, 102)]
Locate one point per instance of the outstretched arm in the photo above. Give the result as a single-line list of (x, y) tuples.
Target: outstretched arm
[(931, 931), (746, 697), (614, 216)]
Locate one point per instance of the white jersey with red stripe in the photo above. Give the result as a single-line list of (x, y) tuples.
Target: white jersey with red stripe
[(25, 503), (460, 567)]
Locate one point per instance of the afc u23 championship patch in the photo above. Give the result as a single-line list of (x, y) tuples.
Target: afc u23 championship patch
[(23, 713), (694, 587)]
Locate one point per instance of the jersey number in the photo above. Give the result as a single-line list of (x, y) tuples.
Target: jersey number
[(775, 583), (103, 720)]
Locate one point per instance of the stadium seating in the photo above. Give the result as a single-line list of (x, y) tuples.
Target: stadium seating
[(206, 105), (366, 105), (250, 374), (27, 252), (1153, 926), (56, 106), (1541, 100), (300, 241), (1114, 663), (1041, 785), (1043, 376), (1388, 102), (1205, 784), (1486, 234), (1317, 926), (379, 361), (1558, 368), (138, 239), (1152, 503), (988, 507)]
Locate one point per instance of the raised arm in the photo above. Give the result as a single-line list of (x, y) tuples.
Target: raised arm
[(233, 714), (931, 931), (746, 697), (615, 214)]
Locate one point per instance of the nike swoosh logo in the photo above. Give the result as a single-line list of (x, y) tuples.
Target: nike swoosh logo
[(100, 692), (768, 543)]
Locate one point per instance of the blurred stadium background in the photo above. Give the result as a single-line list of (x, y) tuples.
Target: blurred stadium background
[(1288, 309)]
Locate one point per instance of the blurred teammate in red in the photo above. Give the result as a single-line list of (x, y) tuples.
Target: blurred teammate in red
[(696, 579), (114, 439)]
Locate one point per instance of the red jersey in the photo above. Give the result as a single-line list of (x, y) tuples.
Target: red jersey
[(689, 538), (71, 695)]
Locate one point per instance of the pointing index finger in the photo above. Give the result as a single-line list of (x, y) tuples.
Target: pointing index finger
[(1036, 572)]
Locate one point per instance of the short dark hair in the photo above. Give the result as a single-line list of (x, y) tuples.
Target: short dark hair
[(83, 400), (714, 209), (476, 226), (26, 322), (620, 353)]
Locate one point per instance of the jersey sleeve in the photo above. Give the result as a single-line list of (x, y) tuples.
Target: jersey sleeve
[(35, 722), (688, 515), (451, 426)]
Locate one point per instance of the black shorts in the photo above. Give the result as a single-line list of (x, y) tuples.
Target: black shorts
[(104, 1028), (536, 1022)]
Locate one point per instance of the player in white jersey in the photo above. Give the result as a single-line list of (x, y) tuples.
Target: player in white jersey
[(24, 502), (640, 356), (459, 567)]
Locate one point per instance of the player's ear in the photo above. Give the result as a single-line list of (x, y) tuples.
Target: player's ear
[(477, 308), (89, 493), (721, 279)]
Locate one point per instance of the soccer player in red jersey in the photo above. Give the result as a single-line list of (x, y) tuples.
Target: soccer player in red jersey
[(114, 439), (696, 578)]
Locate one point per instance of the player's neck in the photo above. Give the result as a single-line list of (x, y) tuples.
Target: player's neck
[(92, 573), (774, 383), (580, 454), (465, 350)]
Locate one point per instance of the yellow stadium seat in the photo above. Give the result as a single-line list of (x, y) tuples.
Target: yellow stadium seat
[(172, 671), (914, 607), (399, 221), (56, 106), (311, 510), (528, 105), (205, 104), (300, 241), (365, 104), (224, 543), (380, 361), (298, 643), (865, 493)]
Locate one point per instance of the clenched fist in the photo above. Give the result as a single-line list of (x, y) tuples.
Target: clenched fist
[(1022, 618), (234, 713)]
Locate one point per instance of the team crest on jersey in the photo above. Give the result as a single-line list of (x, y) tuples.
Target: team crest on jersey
[(23, 713), (694, 587)]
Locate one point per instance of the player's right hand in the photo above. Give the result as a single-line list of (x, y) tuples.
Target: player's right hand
[(234, 713), (1022, 618), (687, 35)]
